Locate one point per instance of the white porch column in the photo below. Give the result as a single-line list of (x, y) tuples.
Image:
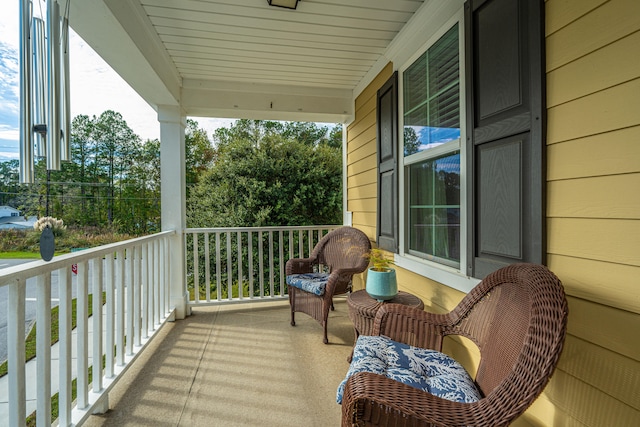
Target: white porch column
[(173, 199)]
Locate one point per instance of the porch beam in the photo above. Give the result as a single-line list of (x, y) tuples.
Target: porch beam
[(266, 101)]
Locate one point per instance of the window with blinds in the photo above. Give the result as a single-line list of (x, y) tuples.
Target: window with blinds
[(431, 93), (432, 152)]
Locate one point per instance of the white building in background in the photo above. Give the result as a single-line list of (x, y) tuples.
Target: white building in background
[(8, 211), (10, 218)]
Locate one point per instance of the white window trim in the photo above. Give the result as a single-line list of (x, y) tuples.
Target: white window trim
[(455, 278)]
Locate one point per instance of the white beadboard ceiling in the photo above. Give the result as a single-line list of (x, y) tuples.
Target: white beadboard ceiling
[(244, 58)]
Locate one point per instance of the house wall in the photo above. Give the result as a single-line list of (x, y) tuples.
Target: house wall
[(8, 211), (593, 210), (593, 207)]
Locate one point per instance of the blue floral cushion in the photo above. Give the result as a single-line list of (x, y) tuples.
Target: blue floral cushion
[(424, 369), (310, 282)]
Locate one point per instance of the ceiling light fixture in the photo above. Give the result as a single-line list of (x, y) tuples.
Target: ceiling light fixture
[(289, 4)]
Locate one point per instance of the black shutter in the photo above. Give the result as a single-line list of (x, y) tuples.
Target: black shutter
[(504, 53), (387, 141)]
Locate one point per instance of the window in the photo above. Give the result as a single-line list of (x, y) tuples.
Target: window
[(432, 152), (462, 191)]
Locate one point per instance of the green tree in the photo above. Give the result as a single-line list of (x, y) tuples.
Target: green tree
[(9, 190), (411, 141), (114, 152), (199, 153), (111, 180), (139, 200), (263, 174)]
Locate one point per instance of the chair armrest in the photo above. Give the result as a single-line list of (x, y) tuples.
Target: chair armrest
[(300, 265), (376, 399), (410, 325), (340, 277)]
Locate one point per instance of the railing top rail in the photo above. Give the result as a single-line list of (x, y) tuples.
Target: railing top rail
[(268, 228), (24, 271)]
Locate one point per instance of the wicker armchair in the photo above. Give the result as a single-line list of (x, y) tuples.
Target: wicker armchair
[(342, 252), (517, 317)]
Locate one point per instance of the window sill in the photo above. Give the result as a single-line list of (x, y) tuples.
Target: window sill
[(447, 276)]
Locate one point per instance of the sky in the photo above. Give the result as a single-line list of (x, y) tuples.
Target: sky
[(95, 87)]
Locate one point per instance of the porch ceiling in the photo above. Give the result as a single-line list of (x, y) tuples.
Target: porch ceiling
[(244, 58)]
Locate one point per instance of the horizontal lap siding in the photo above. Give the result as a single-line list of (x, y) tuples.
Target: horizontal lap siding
[(593, 209)]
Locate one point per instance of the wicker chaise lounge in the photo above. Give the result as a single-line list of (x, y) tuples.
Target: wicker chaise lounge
[(342, 252), (516, 316)]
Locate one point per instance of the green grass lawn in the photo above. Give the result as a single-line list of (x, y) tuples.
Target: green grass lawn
[(19, 255)]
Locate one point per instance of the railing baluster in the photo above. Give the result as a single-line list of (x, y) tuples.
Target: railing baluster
[(207, 267), (300, 244), (64, 336), (165, 276), (250, 253), (15, 352), (137, 295), (96, 316), (240, 287), (186, 257), (129, 301), (218, 272), (261, 263), (43, 349), (82, 336), (271, 284), (151, 288), (111, 314), (281, 260), (291, 244), (157, 293), (229, 268), (144, 291), (120, 308), (196, 268)]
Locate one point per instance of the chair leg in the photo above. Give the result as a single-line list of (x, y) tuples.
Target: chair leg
[(292, 304), (325, 322)]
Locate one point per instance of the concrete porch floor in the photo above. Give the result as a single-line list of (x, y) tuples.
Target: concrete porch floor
[(236, 365)]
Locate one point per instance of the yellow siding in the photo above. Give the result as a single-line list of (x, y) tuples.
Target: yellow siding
[(562, 13), (604, 111), (603, 25), (592, 197), (593, 211), (591, 280), (616, 152), (591, 73), (606, 240)]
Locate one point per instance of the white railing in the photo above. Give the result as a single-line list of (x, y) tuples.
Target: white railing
[(133, 280), (221, 261)]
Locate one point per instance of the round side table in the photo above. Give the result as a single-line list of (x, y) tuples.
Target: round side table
[(363, 309)]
